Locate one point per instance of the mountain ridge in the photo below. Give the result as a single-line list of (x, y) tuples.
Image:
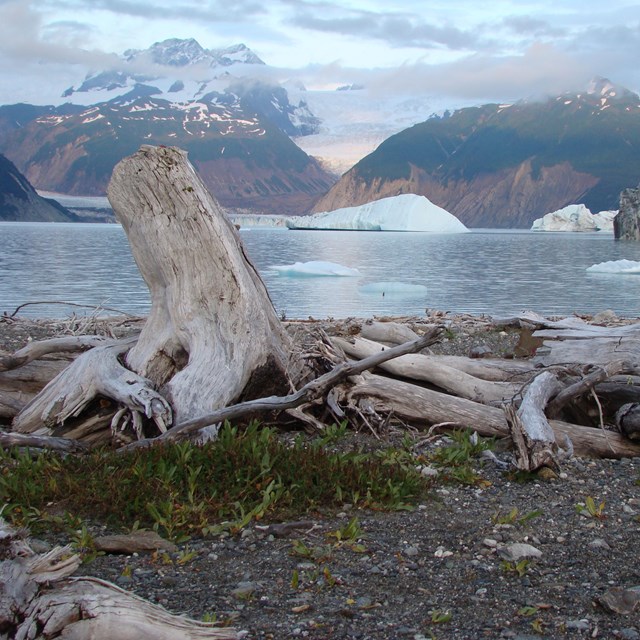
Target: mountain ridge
[(505, 165)]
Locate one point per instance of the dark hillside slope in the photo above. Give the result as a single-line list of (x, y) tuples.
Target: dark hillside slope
[(505, 165)]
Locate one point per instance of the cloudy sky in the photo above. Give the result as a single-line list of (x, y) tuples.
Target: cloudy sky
[(460, 48)]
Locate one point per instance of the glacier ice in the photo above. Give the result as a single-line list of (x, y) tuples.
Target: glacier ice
[(393, 288), (406, 212), (315, 268), (575, 217), (615, 266)]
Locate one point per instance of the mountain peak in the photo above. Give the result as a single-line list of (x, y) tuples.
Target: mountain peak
[(604, 88)]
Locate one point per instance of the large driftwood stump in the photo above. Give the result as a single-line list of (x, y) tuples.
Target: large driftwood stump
[(212, 333), (212, 336)]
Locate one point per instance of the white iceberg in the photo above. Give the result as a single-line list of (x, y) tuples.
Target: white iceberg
[(615, 266), (575, 217), (604, 220), (315, 268), (393, 288), (407, 212)]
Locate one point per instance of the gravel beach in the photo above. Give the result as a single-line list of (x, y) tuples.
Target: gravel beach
[(496, 559)]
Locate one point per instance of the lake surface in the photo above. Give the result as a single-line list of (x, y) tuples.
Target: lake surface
[(492, 272)]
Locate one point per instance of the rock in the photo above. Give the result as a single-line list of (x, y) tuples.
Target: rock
[(480, 351), (578, 625), (244, 590), (599, 543), (626, 225), (519, 550), (134, 542), (619, 600), (629, 634), (605, 317)]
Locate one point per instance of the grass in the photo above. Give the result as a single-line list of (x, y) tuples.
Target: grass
[(182, 490)]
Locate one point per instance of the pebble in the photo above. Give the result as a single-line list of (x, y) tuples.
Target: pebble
[(519, 550), (629, 634), (600, 543), (411, 551), (578, 625)]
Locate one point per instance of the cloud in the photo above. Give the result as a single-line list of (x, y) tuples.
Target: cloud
[(190, 10), (399, 29)]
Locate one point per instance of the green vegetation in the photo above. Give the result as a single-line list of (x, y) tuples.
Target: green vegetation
[(182, 490)]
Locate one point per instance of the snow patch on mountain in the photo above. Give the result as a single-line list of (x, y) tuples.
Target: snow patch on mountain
[(407, 212)]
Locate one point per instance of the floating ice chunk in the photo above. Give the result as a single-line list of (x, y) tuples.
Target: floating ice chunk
[(315, 268), (575, 217), (615, 266), (406, 212), (393, 288)]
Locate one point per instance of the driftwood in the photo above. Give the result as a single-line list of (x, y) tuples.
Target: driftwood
[(431, 369), (533, 437), (95, 373), (39, 599), (212, 336), (424, 407)]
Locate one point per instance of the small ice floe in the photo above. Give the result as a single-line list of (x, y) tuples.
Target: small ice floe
[(315, 268), (615, 266), (393, 288)]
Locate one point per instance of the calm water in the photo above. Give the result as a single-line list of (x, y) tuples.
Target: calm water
[(481, 272)]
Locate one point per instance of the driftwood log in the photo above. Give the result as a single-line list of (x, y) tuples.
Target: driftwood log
[(213, 348), (39, 599)]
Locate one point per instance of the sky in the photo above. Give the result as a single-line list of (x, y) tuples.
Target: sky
[(462, 49)]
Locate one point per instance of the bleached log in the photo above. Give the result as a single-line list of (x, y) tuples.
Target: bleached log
[(95, 373), (65, 445), (37, 349), (532, 435), (424, 407), (212, 336), (40, 600), (429, 369), (388, 332)]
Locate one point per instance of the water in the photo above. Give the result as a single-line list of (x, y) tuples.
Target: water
[(493, 272)]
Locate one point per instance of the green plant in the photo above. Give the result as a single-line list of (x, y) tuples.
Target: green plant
[(332, 434), (182, 490), (349, 535), (513, 517), (456, 457), (439, 616), (520, 568), (591, 509)]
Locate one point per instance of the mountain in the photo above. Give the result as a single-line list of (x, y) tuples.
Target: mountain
[(20, 202), (235, 129), (504, 165)]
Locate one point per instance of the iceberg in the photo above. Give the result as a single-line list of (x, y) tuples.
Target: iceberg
[(575, 217), (407, 212), (393, 288), (615, 266), (315, 268)]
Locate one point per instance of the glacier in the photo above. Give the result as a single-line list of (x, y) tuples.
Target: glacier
[(616, 266), (406, 212), (575, 217), (315, 268)]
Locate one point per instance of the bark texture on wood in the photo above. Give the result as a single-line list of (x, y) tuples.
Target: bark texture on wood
[(212, 330)]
